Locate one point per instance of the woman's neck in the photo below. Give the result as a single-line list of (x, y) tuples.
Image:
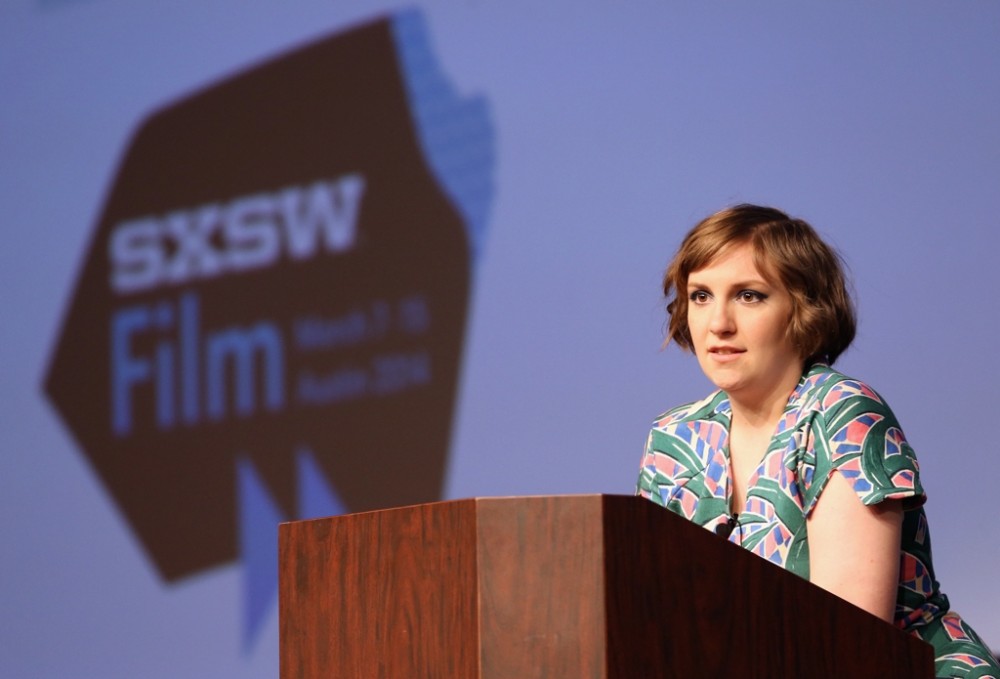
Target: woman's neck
[(756, 415), (754, 421), (756, 410)]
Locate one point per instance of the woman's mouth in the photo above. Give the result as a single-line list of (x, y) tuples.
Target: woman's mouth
[(725, 354)]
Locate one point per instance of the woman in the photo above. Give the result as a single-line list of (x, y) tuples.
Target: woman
[(789, 458)]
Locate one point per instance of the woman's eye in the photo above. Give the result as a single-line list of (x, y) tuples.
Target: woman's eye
[(751, 296), (698, 296)]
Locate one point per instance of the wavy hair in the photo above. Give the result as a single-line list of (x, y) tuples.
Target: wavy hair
[(786, 251)]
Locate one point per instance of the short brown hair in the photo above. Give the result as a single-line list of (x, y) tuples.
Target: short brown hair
[(786, 251)]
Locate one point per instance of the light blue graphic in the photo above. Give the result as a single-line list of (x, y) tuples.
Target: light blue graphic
[(455, 134)]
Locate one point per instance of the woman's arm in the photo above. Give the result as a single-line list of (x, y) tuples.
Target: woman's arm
[(854, 548)]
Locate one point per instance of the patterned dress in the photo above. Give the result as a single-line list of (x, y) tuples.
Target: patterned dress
[(831, 423)]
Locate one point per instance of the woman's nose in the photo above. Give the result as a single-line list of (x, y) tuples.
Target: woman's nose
[(722, 321)]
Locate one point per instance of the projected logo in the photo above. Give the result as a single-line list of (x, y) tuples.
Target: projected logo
[(269, 320)]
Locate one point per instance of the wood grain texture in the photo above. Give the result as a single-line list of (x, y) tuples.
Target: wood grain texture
[(541, 590), (388, 594)]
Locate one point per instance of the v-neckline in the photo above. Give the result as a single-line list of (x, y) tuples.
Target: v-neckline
[(726, 411)]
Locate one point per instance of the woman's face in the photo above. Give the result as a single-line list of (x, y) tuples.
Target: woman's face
[(738, 322)]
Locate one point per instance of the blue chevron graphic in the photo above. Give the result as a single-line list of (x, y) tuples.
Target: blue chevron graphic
[(316, 496), (259, 517)]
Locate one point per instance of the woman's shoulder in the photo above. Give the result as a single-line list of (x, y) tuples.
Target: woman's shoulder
[(828, 391), (711, 407), (852, 429)]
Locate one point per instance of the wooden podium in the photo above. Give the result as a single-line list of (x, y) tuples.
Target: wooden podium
[(599, 586)]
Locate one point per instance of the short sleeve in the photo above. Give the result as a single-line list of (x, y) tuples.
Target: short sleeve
[(856, 434)]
